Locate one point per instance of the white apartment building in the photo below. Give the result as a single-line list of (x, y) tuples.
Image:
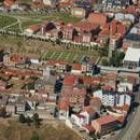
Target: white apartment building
[(112, 99)]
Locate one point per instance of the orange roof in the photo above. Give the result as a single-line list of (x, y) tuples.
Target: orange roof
[(92, 80), (97, 18), (86, 26), (63, 104), (89, 128), (70, 80), (76, 66), (8, 3), (90, 110), (34, 27), (106, 119), (56, 62)]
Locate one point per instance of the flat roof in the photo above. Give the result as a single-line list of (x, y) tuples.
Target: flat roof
[(132, 54)]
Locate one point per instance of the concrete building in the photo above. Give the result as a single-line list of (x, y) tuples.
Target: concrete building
[(109, 98), (132, 58), (105, 124)]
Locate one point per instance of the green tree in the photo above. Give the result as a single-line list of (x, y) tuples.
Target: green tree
[(36, 120), (28, 120), (22, 118)]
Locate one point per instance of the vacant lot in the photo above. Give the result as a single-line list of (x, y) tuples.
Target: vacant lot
[(12, 130)]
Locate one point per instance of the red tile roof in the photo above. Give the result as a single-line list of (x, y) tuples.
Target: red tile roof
[(89, 109), (89, 128), (15, 72), (63, 104), (35, 28), (98, 18), (56, 62), (70, 80), (76, 66), (86, 26), (106, 119), (74, 91), (92, 80), (8, 3)]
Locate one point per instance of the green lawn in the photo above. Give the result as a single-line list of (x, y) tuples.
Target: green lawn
[(5, 21), (69, 57)]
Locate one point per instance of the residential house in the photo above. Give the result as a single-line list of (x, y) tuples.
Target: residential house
[(32, 29), (70, 80), (63, 109), (3, 84), (78, 12), (76, 69), (109, 80), (84, 117), (132, 39), (75, 96), (86, 31), (9, 3), (68, 32), (96, 103), (97, 18), (115, 6), (105, 124), (58, 65), (50, 3)]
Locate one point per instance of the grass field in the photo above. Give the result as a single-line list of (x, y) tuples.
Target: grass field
[(6, 20), (19, 22)]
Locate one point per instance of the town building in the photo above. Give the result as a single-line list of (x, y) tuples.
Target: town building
[(132, 58), (105, 124)]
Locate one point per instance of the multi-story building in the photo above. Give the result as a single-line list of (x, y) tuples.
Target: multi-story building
[(110, 98), (105, 124)]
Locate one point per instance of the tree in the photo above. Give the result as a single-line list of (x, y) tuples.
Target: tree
[(28, 120), (36, 120), (22, 118), (3, 112)]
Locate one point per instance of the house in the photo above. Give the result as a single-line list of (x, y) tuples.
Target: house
[(109, 80), (78, 12), (76, 69), (97, 18), (50, 3), (86, 30), (70, 80), (88, 128), (9, 3), (125, 87), (3, 84), (32, 29), (95, 102), (58, 65), (132, 58), (105, 124), (115, 6), (47, 27), (75, 96), (84, 117), (68, 32), (63, 109)]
